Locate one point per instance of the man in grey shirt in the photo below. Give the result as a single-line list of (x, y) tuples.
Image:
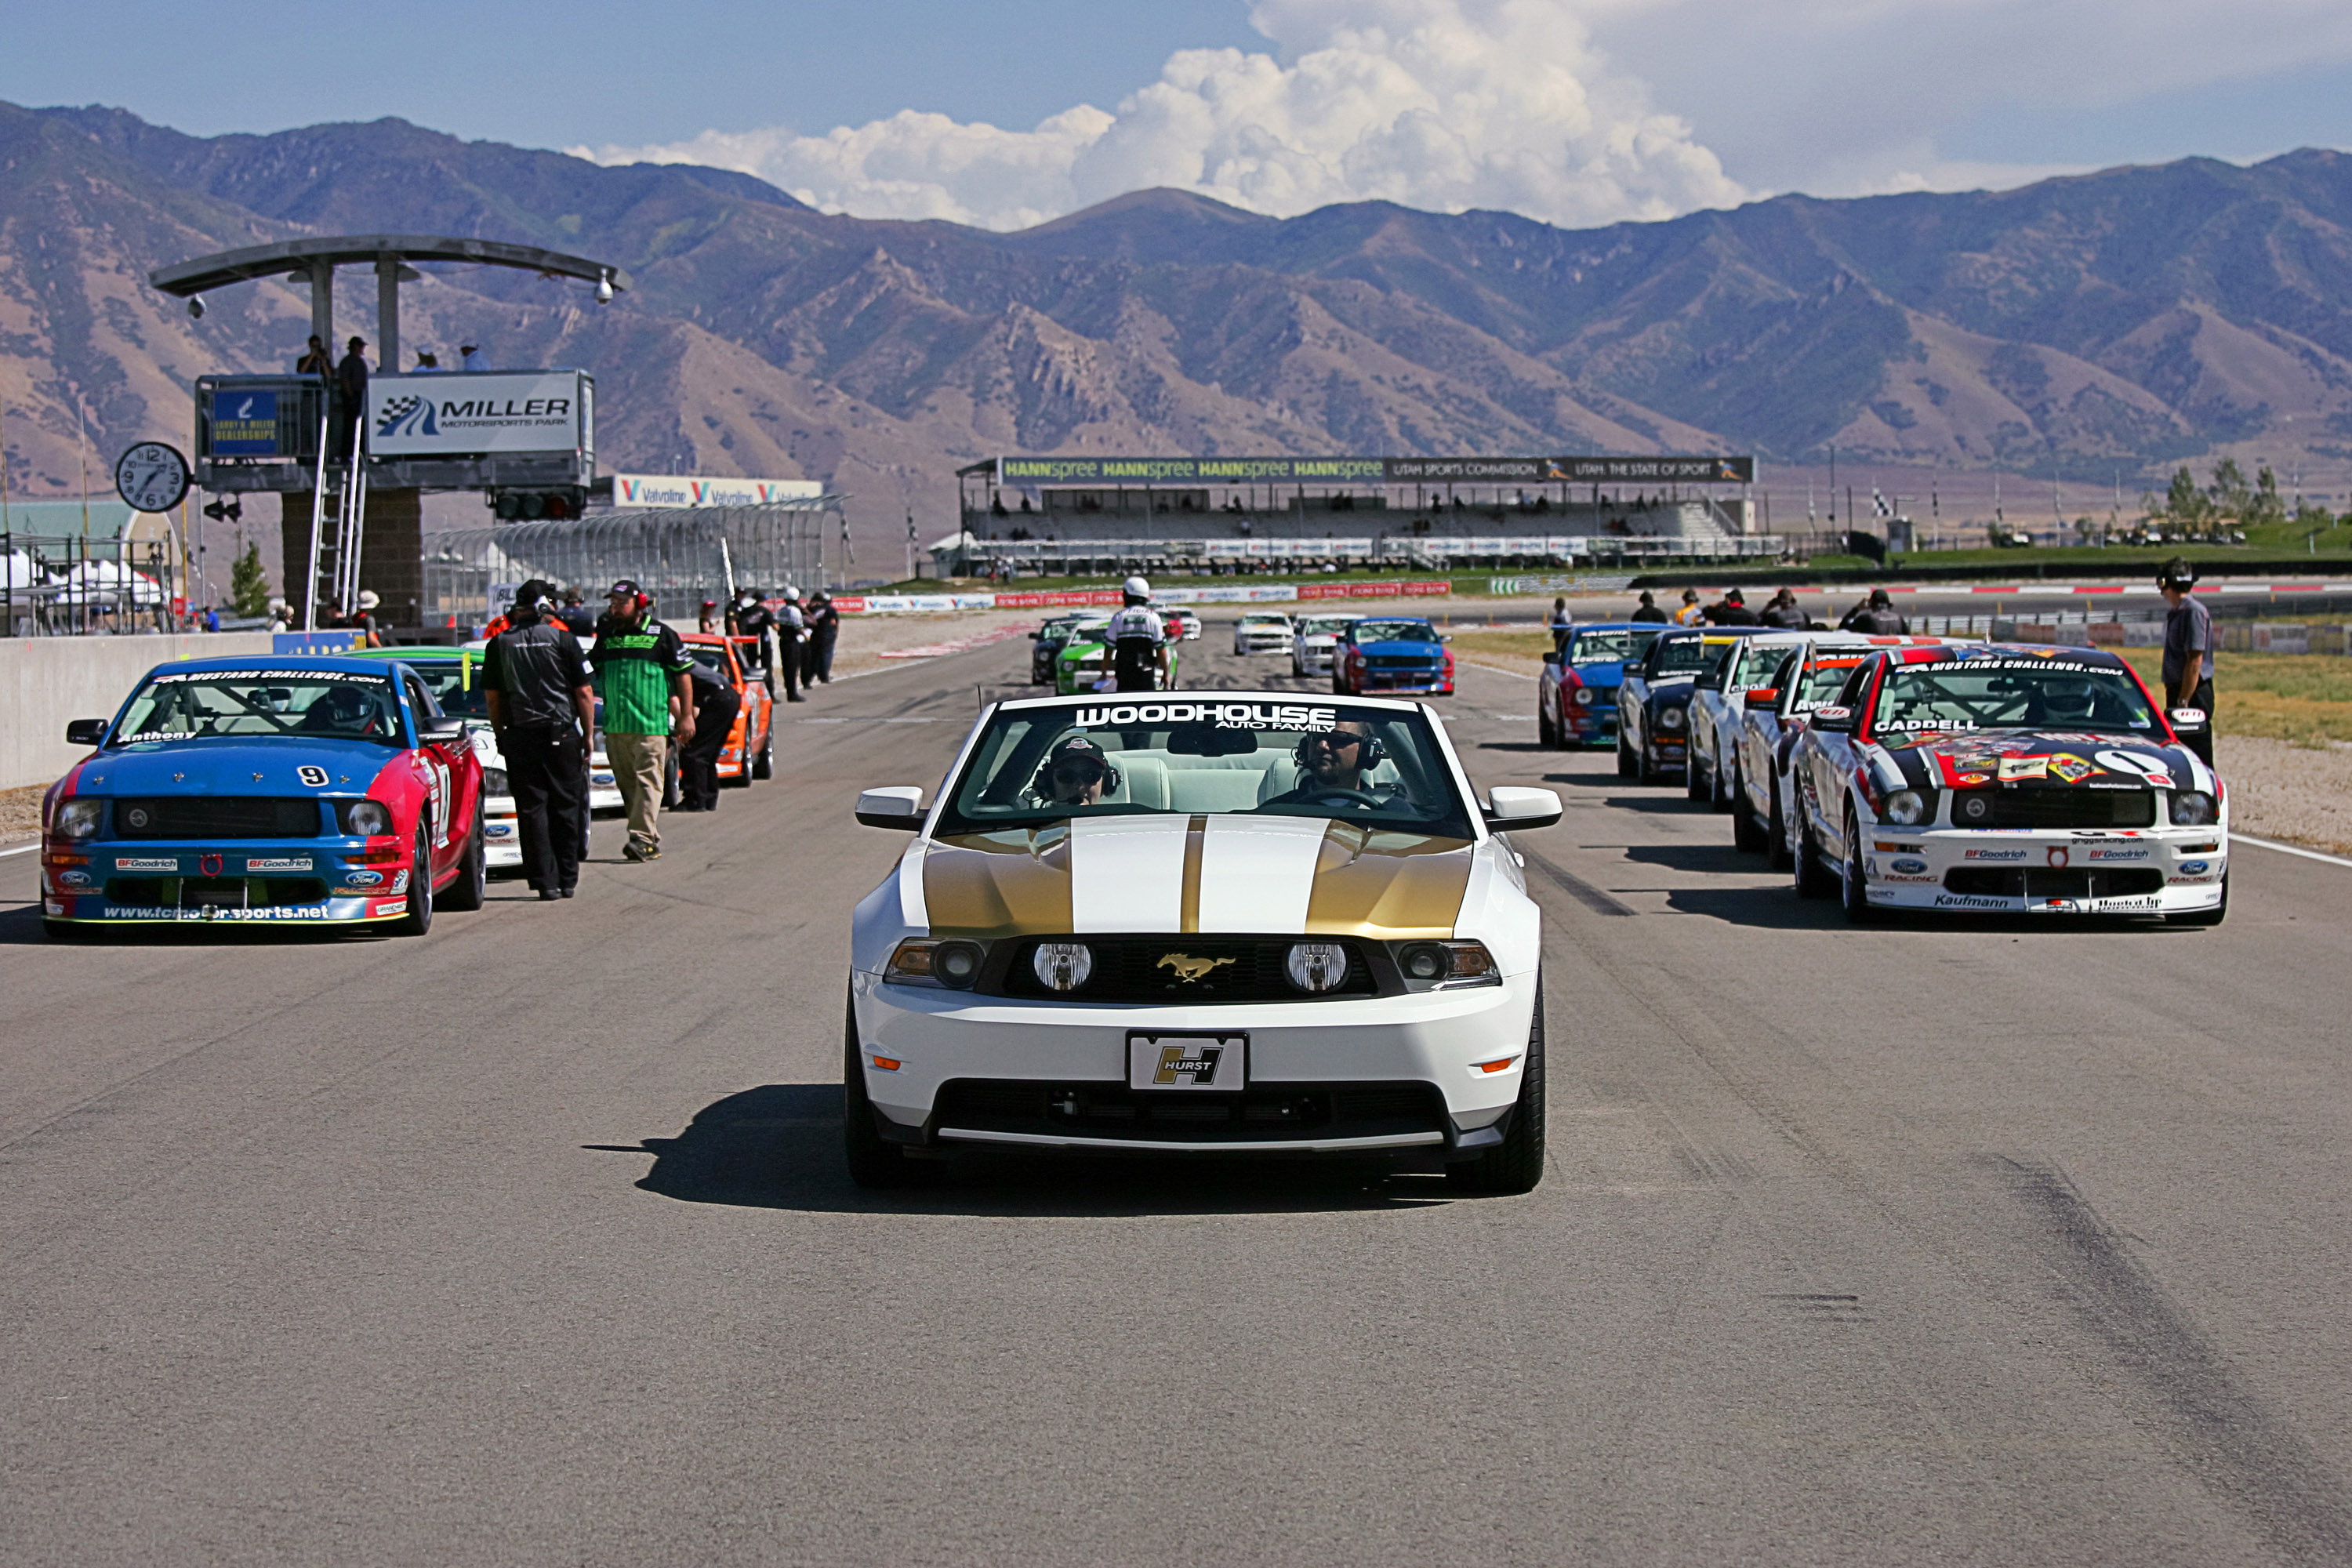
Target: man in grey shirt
[(2188, 650)]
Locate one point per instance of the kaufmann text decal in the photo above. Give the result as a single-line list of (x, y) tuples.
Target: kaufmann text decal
[(460, 416)]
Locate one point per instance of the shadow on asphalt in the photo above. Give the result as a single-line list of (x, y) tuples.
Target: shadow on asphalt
[(779, 1146)]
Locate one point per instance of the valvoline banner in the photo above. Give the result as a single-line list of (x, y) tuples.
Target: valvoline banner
[(695, 489)]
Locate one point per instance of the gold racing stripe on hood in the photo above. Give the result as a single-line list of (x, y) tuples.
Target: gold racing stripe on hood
[(1383, 885), (1387, 885), (1016, 883)]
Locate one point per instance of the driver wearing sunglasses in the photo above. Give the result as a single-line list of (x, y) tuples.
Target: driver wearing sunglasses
[(1331, 768), (1075, 773)]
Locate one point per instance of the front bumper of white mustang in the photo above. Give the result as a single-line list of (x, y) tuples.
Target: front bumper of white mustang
[(2161, 870), (1433, 1072)]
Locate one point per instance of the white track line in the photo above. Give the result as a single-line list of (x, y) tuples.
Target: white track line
[(1498, 669), (2289, 849), (21, 849)]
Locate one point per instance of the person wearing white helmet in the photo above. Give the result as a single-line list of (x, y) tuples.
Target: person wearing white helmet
[(1139, 642), (792, 633)]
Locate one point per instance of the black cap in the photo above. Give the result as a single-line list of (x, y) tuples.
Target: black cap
[(1075, 746), (1734, 597), (534, 591), (2176, 574), (624, 586), (1879, 597)]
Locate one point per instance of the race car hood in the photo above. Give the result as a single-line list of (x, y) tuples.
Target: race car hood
[(1607, 677), (2046, 758), (1260, 875), (232, 766), (1426, 650)]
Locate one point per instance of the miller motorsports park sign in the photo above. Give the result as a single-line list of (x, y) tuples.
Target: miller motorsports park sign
[(693, 491), (1112, 472), (458, 415)]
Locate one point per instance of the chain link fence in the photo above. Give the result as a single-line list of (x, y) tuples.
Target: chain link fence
[(681, 556)]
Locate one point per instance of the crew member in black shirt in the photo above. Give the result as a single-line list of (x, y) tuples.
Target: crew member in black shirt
[(543, 710), (824, 626), (715, 707)]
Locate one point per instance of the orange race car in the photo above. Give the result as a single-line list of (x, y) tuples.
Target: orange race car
[(750, 752)]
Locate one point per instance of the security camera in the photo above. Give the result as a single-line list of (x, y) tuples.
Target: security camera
[(196, 306), (604, 288)]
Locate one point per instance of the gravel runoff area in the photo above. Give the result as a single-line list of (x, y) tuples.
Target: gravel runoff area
[(20, 812), (2299, 794)]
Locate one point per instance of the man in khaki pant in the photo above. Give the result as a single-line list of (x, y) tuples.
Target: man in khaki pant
[(642, 667)]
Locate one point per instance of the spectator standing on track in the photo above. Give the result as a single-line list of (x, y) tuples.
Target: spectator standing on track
[(1562, 623), (1138, 640), (824, 626), (2187, 648), (1647, 611), (365, 622), (792, 643), (642, 666), (1783, 611), (543, 711), (716, 704), (1690, 615), (1731, 610), (577, 618)]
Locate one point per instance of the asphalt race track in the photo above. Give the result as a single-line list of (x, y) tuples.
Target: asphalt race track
[(530, 1242)]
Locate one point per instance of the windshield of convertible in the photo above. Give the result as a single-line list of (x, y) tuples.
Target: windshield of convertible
[(2011, 693), (1393, 631), (263, 702), (455, 685), (1381, 767), (1619, 645)]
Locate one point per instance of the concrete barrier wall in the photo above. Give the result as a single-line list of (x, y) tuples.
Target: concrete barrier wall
[(47, 681)]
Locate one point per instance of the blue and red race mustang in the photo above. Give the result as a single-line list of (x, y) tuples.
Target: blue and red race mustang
[(1392, 653), (276, 789)]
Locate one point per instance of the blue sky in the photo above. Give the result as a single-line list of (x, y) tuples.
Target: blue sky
[(1576, 110)]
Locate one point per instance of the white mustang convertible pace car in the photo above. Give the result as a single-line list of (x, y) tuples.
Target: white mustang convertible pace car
[(1201, 924)]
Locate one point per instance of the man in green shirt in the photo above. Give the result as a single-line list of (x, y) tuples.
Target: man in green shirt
[(642, 667)]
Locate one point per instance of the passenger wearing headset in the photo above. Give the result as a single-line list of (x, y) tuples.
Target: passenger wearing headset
[(1332, 769), (1075, 773)]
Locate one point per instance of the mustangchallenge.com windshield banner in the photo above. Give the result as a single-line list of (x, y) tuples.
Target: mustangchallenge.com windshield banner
[(455, 415), (1114, 472)]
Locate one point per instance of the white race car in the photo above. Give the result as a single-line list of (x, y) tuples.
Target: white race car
[(1234, 924), (2027, 779), (1312, 642), (1262, 631)]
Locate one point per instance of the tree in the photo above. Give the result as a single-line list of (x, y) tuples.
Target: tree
[(248, 589), (2265, 505), (2184, 504), (2231, 494)]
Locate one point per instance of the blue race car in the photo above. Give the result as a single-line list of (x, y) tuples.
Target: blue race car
[(272, 788), (1392, 653), (1575, 697)]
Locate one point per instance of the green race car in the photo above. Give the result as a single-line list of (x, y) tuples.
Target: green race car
[(1084, 661)]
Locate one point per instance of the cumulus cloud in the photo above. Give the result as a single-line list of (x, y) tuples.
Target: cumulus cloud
[(1441, 104)]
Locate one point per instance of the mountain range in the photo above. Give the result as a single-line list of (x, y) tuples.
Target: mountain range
[(2132, 318)]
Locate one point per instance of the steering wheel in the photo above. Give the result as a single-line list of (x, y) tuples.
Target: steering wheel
[(1362, 796)]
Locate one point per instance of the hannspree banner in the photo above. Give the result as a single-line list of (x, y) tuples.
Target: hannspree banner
[(461, 416)]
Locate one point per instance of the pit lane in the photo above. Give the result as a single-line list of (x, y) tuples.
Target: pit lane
[(528, 1239)]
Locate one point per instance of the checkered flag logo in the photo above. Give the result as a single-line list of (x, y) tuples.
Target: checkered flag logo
[(407, 415)]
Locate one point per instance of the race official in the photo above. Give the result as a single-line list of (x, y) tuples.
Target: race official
[(1875, 617), (543, 710), (792, 643), (1692, 613), (716, 703), (2187, 650), (1138, 640), (1647, 610), (1561, 625), (825, 628), (643, 667), (750, 616), (1731, 610)]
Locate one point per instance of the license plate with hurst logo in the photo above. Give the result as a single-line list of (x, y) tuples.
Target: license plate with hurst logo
[(1187, 1061)]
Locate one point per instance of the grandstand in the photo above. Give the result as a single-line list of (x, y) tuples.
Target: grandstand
[(1096, 516)]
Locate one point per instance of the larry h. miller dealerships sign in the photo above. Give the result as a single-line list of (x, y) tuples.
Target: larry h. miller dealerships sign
[(461, 416)]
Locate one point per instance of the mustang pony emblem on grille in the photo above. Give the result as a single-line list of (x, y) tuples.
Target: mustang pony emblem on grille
[(1188, 968)]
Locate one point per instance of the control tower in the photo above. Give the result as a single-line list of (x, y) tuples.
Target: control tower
[(352, 480)]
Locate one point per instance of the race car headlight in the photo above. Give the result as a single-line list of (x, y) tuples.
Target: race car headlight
[(1061, 965), (494, 781), (1584, 696), (1316, 966), (1433, 965), (366, 818), (1671, 718), (78, 819), (927, 961), (1907, 808), (2191, 808)]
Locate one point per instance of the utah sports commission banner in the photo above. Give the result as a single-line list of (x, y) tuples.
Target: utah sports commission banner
[(1085, 598)]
